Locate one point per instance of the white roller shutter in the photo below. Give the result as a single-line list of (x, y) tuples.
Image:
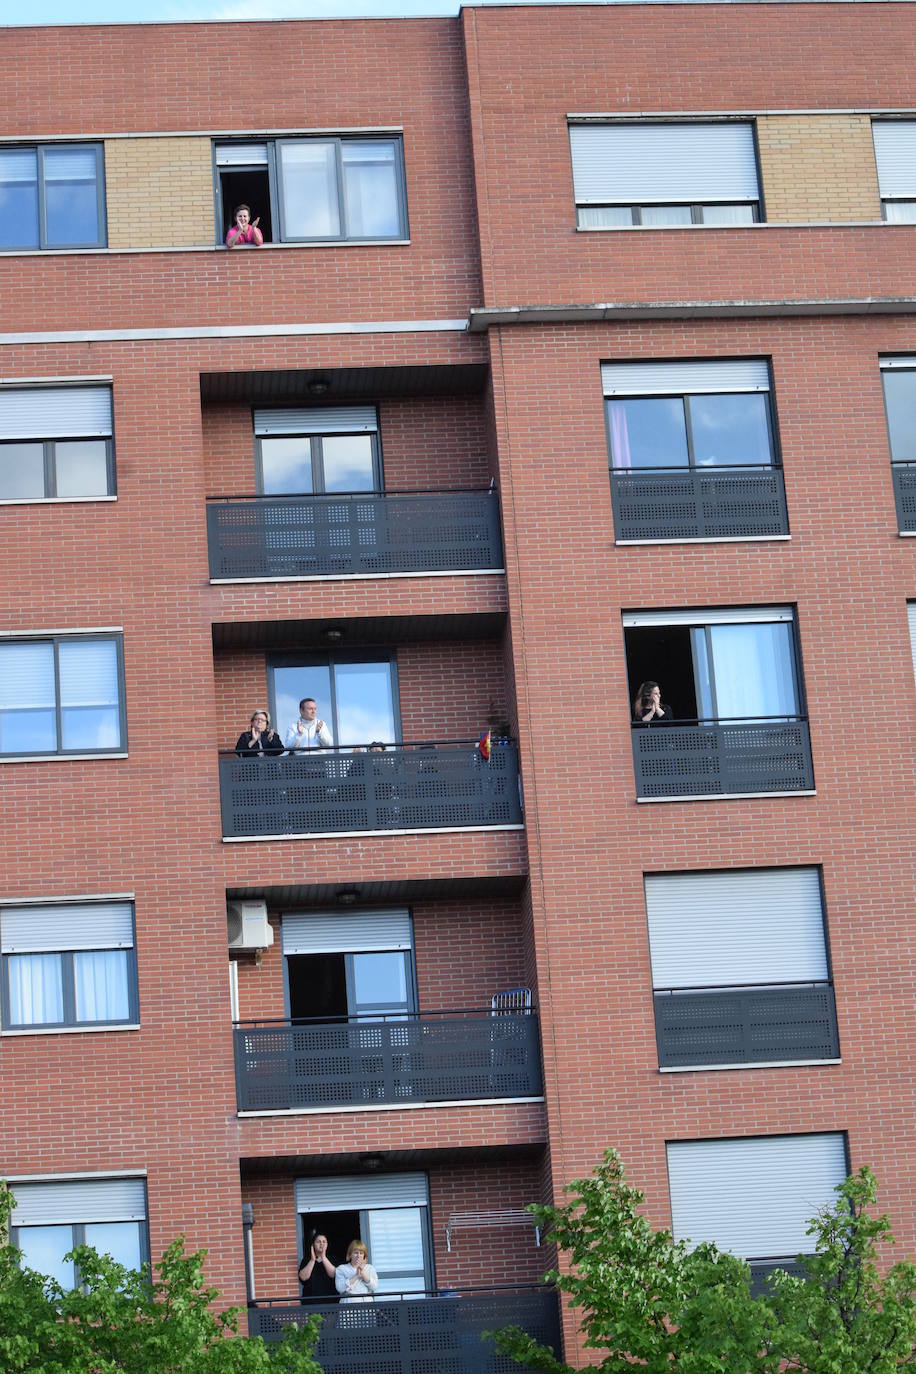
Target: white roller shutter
[(55, 412), (241, 155), (82, 1200), (911, 616), (743, 615), (754, 1197), (317, 420), (352, 932), (897, 363), (356, 1192), (640, 164), (685, 378), (743, 927), (895, 155), (89, 925)]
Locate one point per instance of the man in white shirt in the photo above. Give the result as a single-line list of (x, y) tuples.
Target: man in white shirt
[(308, 732)]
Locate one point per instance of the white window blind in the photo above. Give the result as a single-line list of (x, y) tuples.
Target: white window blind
[(753, 1197), (26, 676), (898, 364), (744, 615), (71, 925), (742, 927), (317, 420), (55, 412), (895, 155), (241, 155), (79, 1200), (357, 1192), (352, 932), (88, 672), (685, 378), (633, 164)]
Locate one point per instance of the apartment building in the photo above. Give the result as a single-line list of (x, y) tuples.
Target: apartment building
[(580, 353)]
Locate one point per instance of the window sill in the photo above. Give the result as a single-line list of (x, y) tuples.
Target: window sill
[(392, 1107), (375, 834), (712, 539), (764, 1064), (725, 796), (730, 228), (358, 577), (56, 500), (58, 758), (200, 248), (69, 1030)]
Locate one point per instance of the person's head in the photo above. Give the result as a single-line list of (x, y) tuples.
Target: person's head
[(308, 708), (260, 719), (242, 216), (319, 1243), (356, 1247), (649, 694), (376, 747)]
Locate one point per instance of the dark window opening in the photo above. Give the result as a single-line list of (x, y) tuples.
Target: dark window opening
[(246, 186), (317, 986), (662, 654), (339, 1228)]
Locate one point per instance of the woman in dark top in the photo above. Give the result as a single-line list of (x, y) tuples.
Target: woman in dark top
[(316, 1273), (648, 708), (259, 739)]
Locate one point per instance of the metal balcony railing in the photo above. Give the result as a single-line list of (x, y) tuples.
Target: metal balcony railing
[(904, 477), (361, 1061), (441, 1332), (723, 758), (699, 503), (746, 1025), (762, 1269), (371, 533), (405, 787)]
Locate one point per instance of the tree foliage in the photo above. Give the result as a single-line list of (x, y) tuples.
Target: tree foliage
[(648, 1302), (120, 1321)]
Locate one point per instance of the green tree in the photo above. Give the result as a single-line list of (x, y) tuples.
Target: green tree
[(649, 1302), (120, 1321)]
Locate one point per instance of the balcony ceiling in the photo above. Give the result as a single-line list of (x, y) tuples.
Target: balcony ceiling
[(282, 386), (358, 1162), (359, 632), (293, 895)]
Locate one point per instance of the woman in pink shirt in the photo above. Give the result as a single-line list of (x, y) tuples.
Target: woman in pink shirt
[(244, 231)]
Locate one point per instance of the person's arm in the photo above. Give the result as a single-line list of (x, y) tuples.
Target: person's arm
[(329, 1268), (256, 234), (324, 735), (242, 745), (342, 1279), (291, 738), (232, 237), (369, 1278), (305, 1269)]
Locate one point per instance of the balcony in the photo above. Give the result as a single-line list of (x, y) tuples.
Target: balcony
[(697, 1027), (723, 758), (419, 1333), (370, 534), (904, 477), (696, 503), (365, 1062), (341, 791), (762, 1269)]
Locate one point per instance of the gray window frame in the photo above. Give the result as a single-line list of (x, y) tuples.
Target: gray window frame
[(684, 397), (696, 213), (78, 1235), (49, 447), (884, 372), (316, 442), (56, 640), (70, 1021), (330, 660), (43, 246)]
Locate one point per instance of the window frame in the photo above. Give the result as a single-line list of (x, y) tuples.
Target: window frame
[(692, 466), (95, 146), (891, 363), (49, 458), (316, 442), (696, 208), (274, 182), (78, 1237), (908, 198), (55, 640), (329, 660)]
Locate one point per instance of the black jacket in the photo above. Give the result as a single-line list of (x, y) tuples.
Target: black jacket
[(267, 744)]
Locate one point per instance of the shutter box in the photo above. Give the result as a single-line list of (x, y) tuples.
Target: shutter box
[(70, 926), (79, 1201), (726, 376), (55, 412), (644, 164), (895, 156), (743, 615), (317, 420), (357, 1192), (352, 932)]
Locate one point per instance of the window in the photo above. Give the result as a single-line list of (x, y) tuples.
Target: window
[(49, 1219), (62, 695), (390, 1212), (664, 174), (52, 196), (56, 442), (755, 1196), (899, 378), (299, 452), (359, 964), (911, 617), (68, 966), (356, 695), (895, 155), (308, 190), (739, 967)]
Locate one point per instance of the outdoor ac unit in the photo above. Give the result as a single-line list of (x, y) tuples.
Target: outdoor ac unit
[(249, 927)]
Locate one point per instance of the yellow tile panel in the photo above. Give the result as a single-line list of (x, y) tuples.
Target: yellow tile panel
[(818, 167), (159, 192)]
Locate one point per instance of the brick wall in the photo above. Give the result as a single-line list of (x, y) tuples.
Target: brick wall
[(818, 167)]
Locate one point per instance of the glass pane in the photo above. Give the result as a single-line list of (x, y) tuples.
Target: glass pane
[(648, 432), (347, 462), (371, 190), (604, 216), (89, 694), (664, 214), (308, 185), (396, 1249), (754, 671), (82, 467), (286, 465), (380, 980), (729, 430), (119, 1239), (71, 201), (365, 703), (291, 685), (900, 398), (101, 985), (28, 723), (36, 989), (43, 1249), (728, 214), (702, 675), (900, 211), (18, 198), (22, 472)]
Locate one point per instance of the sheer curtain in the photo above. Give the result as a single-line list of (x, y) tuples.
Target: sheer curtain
[(101, 985), (620, 436), (754, 672), (36, 989)]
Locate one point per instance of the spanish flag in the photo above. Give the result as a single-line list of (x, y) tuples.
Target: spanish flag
[(484, 745)]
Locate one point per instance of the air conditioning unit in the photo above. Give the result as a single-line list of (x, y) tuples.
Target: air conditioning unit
[(249, 927)]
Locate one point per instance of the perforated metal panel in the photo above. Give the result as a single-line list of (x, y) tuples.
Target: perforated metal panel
[(646, 163), (738, 503), (71, 925), (55, 412), (895, 155), (340, 932), (685, 378), (79, 1200), (439, 1059), (904, 479), (746, 1026), (355, 1192), (369, 534), (317, 420), (721, 760)]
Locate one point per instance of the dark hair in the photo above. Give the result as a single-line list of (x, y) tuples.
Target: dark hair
[(241, 207), (378, 746), (304, 700), (644, 689)]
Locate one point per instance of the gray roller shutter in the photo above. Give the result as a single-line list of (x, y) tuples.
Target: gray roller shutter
[(241, 155), (356, 1192), (754, 1197), (744, 615), (895, 155), (317, 420), (355, 932), (633, 164), (73, 925), (743, 927), (82, 1200), (55, 412), (911, 616), (685, 378)]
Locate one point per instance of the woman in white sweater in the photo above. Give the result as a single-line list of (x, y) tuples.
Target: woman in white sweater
[(356, 1281)]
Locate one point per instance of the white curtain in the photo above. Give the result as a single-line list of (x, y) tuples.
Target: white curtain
[(36, 989), (101, 985), (753, 670)]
